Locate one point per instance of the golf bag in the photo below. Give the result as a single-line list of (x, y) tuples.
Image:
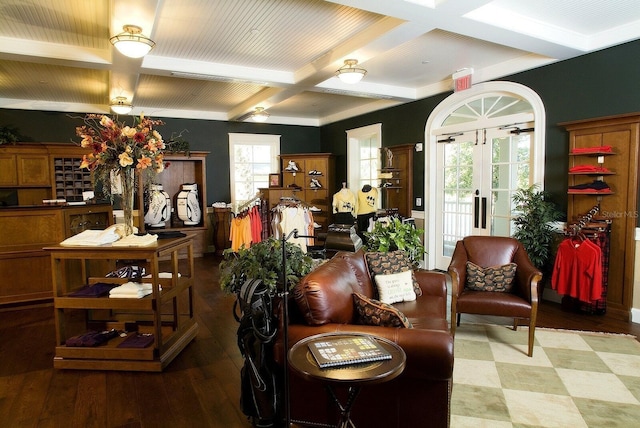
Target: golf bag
[(258, 328)]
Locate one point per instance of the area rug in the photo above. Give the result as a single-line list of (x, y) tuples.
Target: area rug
[(574, 379)]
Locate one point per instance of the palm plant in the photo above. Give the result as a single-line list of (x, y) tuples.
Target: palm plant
[(534, 215)]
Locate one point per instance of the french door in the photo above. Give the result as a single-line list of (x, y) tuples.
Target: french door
[(477, 173)]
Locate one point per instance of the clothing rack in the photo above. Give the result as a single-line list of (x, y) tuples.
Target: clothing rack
[(249, 203), (598, 231)]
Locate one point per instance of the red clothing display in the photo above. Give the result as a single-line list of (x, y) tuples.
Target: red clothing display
[(577, 271)]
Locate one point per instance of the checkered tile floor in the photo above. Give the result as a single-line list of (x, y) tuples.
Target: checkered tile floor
[(572, 380)]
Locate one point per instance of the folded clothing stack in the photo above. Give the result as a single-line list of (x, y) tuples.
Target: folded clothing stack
[(99, 289), (131, 290), (596, 186), (589, 169), (590, 150), (91, 338)]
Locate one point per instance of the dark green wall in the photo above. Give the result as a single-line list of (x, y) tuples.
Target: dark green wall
[(602, 83), (207, 135)]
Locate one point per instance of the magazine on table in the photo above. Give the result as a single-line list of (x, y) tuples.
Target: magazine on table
[(340, 351)]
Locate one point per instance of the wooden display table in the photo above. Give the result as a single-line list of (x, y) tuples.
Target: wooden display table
[(167, 312)]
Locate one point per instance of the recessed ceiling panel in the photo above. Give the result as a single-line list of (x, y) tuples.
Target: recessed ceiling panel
[(189, 94), (273, 34), (582, 16), (47, 82), (433, 57), (317, 104), (83, 23)]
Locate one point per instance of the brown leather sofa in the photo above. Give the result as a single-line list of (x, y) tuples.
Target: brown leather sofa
[(420, 396)]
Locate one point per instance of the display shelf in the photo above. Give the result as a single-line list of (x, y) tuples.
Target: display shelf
[(69, 180), (622, 134), (592, 154), (167, 312)]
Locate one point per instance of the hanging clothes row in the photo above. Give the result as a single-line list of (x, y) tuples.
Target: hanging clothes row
[(291, 214), (247, 225), (581, 266)]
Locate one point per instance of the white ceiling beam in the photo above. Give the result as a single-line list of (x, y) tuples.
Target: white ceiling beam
[(125, 72)]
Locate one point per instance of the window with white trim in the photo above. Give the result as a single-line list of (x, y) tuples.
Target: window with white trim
[(252, 157), (363, 156)]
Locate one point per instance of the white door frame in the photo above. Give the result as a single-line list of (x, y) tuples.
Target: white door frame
[(437, 117)]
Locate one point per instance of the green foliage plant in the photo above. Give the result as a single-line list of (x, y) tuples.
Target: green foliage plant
[(534, 215), (396, 235), (263, 261)]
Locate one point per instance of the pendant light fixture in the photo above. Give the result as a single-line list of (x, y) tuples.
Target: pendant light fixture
[(120, 105), (132, 43), (259, 115), (350, 72)]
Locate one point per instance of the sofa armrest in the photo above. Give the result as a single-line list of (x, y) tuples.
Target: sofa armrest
[(429, 352), (432, 283)]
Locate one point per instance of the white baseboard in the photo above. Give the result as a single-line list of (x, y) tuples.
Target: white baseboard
[(635, 315)]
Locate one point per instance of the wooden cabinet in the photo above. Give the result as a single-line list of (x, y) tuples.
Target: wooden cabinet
[(33, 169), (38, 172), (622, 134), (312, 182), (8, 170), (23, 234), (184, 169), (397, 188), (167, 313)]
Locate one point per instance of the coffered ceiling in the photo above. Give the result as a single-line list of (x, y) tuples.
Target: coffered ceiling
[(219, 59)]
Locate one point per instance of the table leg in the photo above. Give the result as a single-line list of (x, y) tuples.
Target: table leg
[(345, 410)]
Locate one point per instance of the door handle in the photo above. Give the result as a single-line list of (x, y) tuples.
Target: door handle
[(484, 213), (476, 211)]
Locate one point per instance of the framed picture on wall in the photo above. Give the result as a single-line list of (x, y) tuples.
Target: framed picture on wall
[(275, 180)]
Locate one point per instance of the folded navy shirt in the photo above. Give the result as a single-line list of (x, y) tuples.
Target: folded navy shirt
[(92, 338), (137, 340), (98, 289)]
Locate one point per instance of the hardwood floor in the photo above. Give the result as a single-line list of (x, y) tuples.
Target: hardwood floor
[(200, 388)]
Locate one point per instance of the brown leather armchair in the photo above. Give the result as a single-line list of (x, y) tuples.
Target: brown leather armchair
[(487, 251)]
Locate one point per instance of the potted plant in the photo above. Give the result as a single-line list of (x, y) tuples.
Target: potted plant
[(396, 235), (534, 216), (263, 261)]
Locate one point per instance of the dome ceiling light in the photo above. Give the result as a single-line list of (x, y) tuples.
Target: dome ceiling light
[(132, 43), (120, 105), (259, 115), (350, 72)]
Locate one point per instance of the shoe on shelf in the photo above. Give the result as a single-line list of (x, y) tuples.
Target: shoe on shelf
[(295, 186), (387, 184), (315, 184), (292, 167), (316, 225), (314, 172), (315, 209)]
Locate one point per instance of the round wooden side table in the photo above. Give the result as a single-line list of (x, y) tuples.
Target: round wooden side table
[(353, 376)]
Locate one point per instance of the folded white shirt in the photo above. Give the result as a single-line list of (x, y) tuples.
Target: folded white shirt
[(136, 241), (132, 290), (163, 275), (92, 238)]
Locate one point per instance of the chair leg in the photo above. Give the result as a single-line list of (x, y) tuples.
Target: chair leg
[(515, 324), (532, 330), (453, 322)]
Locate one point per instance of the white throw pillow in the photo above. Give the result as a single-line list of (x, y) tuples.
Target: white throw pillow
[(395, 287)]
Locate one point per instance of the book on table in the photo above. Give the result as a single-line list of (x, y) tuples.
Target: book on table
[(340, 351)]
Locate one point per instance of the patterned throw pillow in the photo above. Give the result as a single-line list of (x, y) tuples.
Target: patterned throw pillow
[(495, 278), (395, 287), (391, 262), (374, 312)]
